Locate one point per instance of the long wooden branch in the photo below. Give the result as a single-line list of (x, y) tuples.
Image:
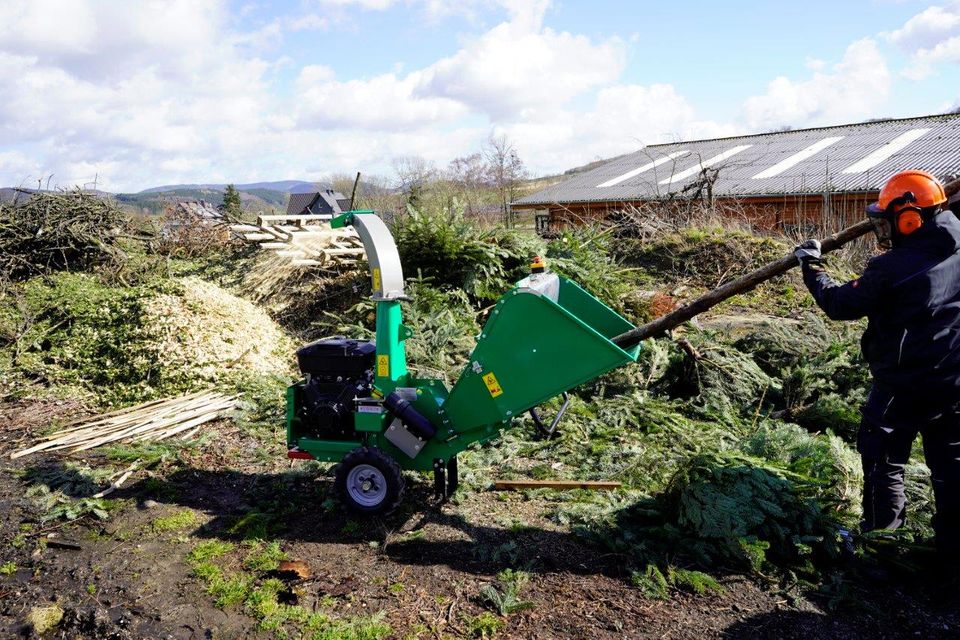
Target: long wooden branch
[(745, 283), (735, 287)]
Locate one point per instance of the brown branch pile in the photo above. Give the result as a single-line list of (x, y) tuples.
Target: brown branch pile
[(186, 234), (46, 232)]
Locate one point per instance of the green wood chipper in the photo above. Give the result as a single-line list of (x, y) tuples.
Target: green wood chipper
[(359, 405)]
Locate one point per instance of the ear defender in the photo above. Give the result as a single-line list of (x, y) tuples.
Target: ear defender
[(909, 221)]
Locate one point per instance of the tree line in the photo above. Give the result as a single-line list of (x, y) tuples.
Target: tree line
[(482, 183)]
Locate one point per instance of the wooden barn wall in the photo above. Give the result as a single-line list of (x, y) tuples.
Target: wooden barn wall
[(803, 214)]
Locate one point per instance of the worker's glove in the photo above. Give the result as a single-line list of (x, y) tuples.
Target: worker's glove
[(808, 252)]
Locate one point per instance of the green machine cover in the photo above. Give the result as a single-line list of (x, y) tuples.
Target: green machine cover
[(544, 336)]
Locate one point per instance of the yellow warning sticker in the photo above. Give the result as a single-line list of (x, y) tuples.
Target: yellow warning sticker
[(493, 386), (383, 366), (376, 279)]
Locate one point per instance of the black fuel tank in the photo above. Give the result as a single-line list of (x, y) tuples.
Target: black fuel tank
[(336, 357)]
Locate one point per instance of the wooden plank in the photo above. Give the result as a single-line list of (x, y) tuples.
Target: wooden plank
[(342, 252), (318, 231), (307, 217), (256, 237), (149, 421), (563, 485), (279, 234)]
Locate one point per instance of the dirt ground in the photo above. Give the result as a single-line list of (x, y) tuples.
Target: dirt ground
[(424, 567)]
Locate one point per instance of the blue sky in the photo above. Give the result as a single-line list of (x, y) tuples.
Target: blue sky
[(137, 94)]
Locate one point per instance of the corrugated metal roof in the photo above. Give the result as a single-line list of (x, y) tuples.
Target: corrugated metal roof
[(847, 158)]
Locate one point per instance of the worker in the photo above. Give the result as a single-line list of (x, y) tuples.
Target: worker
[(910, 295)]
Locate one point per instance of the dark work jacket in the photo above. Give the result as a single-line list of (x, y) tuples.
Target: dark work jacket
[(911, 298)]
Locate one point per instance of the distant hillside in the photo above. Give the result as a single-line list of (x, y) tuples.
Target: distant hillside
[(284, 186), (255, 197), (154, 202), (536, 184)]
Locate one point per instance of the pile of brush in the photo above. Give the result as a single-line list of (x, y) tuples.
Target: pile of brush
[(57, 231)]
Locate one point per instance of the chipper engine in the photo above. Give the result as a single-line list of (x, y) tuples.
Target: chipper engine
[(359, 405)]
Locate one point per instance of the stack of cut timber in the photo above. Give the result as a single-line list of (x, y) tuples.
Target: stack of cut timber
[(150, 421), (307, 240)]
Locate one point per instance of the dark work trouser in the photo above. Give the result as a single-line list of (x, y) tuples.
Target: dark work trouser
[(885, 450)]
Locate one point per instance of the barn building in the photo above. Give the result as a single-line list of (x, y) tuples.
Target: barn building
[(805, 179)]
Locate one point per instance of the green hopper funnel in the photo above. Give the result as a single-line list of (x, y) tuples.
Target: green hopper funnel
[(544, 337)]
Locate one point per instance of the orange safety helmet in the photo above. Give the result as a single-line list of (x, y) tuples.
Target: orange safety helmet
[(906, 198)]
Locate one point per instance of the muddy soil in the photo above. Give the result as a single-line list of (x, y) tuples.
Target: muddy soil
[(424, 567)]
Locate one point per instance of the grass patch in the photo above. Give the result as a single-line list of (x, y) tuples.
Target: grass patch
[(483, 626), (179, 521), (263, 556), (249, 586), (208, 550), (262, 602)]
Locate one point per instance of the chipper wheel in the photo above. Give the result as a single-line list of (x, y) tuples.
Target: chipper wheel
[(369, 482)]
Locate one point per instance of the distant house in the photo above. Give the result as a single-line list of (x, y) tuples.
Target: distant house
[(326, 202), (187, 215), (786, 180), (197, 209)]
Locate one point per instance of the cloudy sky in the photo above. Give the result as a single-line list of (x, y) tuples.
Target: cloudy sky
[(142, 93)]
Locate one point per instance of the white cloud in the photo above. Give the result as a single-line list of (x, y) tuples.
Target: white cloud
[(125, 90), (848, 91), (518, 65), (21, 169), (928, 28), (623, 118), (152, 93), (309, 22), (384, 102), (366, 4), (931, 37), (28, 25)]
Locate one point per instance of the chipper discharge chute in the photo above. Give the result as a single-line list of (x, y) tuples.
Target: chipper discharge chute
[(358, 404)]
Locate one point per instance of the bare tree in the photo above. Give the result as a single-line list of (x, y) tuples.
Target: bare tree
[(373, 191), (413, 175), (470, 175), (340, 182), (377, 193), (506, 171)]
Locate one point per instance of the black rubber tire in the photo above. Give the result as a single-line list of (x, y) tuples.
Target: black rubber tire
[(382, 462)]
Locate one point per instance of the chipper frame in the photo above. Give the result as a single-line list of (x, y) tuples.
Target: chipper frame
[(358, 404)]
